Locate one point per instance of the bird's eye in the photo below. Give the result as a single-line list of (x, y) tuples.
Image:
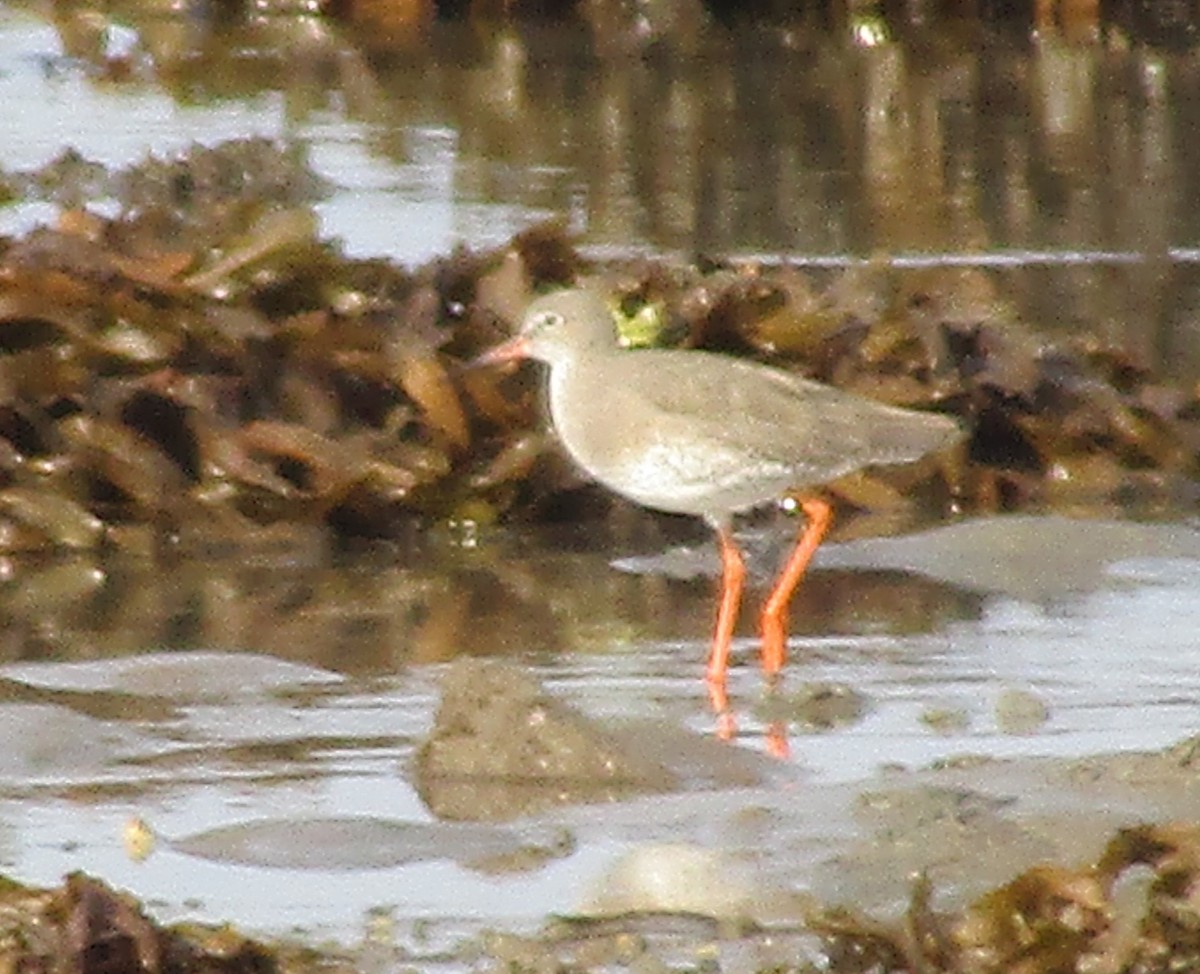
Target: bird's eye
[(546, 319)]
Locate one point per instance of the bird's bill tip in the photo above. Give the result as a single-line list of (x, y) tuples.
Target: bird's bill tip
[(513, 350)]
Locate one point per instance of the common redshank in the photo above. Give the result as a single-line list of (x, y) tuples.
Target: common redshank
[(704, 434)]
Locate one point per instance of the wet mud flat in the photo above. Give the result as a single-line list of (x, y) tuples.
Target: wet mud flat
[(645, 842), (201, 376), (976, 865)]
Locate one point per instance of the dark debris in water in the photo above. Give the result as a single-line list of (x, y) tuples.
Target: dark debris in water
[(203, 365), (185, 185), (86, 927), (1133, 910)]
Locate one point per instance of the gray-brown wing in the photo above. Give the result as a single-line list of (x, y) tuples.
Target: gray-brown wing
[(772, 417)]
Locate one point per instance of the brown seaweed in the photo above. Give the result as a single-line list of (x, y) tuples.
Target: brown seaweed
[(145, 381)]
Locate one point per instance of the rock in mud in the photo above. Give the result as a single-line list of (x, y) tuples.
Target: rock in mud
[(674, 878), (502, 747), (1020, 712)]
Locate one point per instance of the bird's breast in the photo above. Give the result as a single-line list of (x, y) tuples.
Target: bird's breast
[(637, 451)]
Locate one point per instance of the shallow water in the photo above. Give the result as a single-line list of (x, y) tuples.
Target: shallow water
[(810, 142), (220, 740)]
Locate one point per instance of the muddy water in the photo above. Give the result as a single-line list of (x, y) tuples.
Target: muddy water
[(261, 719)]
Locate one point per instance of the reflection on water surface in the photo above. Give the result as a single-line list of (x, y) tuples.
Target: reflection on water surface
[(785, 139)]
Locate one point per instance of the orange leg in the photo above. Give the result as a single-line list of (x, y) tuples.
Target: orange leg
[(733, 576), (726, 722), (777, 742), (774, 613)]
